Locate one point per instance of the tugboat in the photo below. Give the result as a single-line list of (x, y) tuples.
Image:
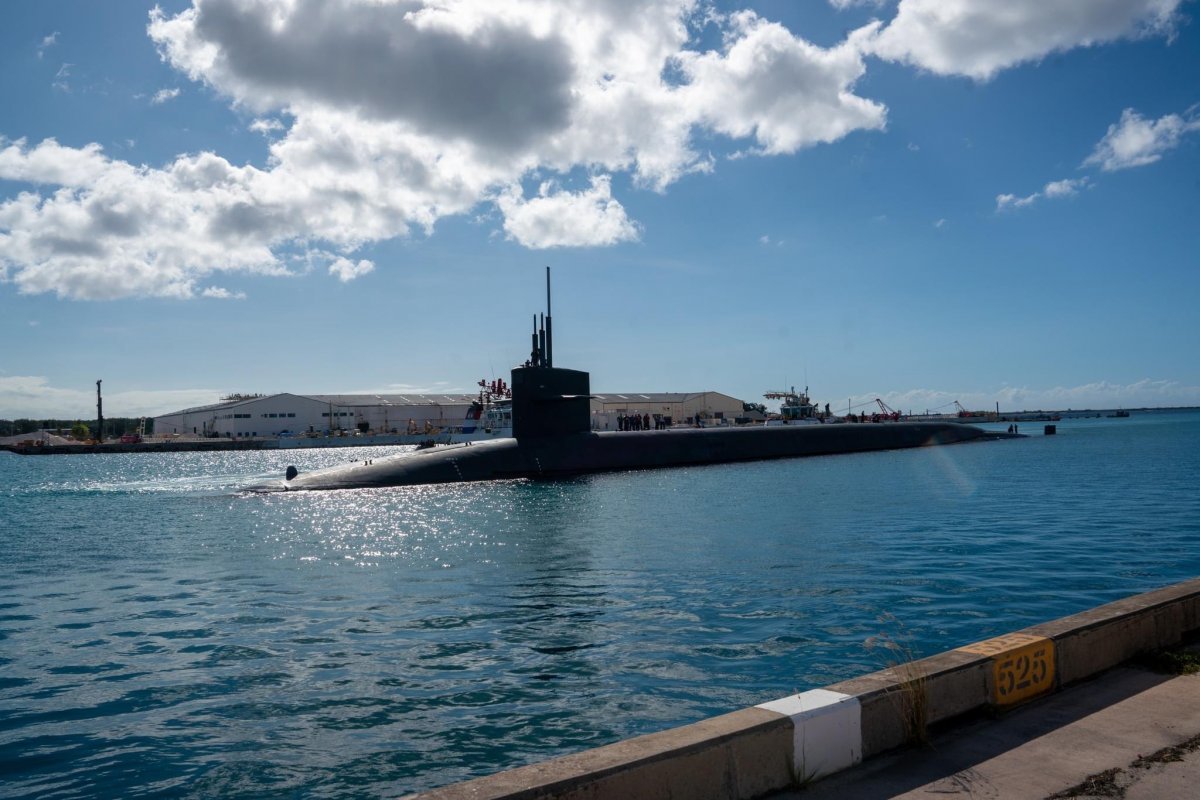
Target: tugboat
[(796, 408), (489, 417)]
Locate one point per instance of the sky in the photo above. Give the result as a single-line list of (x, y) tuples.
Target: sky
[(922, 201)]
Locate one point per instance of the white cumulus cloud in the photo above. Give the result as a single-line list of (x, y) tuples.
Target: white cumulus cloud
[(47, 42), (266, 126), (111, 229), (1004, 201), (1135, 141), (346, 270), (558, 218), (1052, 190), (384, 116), (978, 38), (1065, 187), (60, 81), (221, 293), (163, 95), (780, 90), (842, 5), (388, 116)]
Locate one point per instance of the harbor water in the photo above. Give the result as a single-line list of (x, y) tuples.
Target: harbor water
[(164, 635)]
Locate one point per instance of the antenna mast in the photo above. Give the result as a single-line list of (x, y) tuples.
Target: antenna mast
[(549, 340)]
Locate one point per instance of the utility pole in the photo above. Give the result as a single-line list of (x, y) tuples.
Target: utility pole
[(99, 416)]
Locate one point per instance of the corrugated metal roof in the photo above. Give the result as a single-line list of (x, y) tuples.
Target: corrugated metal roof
[(196, 409), (393, 399), (442, 399), (342, 400), (655, 397)]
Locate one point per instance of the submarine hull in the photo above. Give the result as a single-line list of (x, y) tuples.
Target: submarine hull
[(581, 453)]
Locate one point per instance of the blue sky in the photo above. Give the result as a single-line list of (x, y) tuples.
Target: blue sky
[(920, 201)]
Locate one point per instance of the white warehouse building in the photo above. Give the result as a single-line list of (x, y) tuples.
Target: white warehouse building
[(712, 408), (243, 416), (249, 416)]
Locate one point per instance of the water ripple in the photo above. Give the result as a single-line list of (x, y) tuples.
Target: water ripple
[(166, 637)]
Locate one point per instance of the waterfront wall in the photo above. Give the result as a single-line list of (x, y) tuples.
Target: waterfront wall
[(806, 736), (150, 446)]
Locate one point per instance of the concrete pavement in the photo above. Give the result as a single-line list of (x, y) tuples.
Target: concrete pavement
[(1129, 733)]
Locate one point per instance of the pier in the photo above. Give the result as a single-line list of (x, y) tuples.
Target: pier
[(786, 747), (169, 444)]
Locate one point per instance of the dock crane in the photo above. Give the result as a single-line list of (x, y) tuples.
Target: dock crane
[(963, 412), (887, 411)]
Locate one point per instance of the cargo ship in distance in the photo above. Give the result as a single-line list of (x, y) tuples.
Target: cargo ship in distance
[(552, 438)]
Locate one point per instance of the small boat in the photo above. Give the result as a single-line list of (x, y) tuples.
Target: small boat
[(489, 417), (796, 408)]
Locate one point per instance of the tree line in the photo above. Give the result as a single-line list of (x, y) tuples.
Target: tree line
[(80, 429)]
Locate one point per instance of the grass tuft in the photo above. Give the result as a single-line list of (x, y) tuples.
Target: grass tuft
[(1102, 784), (911, 695), (1172, 662)]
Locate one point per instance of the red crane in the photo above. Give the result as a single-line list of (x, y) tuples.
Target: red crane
[(888, 411), (962, 412)]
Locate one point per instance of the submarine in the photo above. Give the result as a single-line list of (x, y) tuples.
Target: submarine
[(552, 438)]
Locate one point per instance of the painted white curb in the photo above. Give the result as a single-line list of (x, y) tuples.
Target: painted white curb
[(826, 730)]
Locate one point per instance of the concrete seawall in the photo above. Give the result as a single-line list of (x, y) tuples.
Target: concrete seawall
[(802, 737)]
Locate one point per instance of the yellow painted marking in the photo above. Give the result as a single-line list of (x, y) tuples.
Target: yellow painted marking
[(1023, 666), (1001, 644)]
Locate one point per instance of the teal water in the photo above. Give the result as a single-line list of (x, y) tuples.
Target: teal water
[(162, 635)]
